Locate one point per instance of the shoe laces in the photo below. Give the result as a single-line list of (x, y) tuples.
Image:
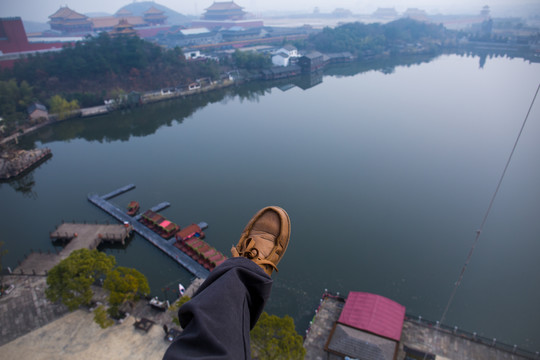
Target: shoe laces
[(252, 253)]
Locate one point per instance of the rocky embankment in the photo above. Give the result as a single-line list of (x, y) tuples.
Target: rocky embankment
[(15, 163)]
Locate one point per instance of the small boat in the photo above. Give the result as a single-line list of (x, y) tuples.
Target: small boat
[(132, 208), (181, 289), (158, 304)]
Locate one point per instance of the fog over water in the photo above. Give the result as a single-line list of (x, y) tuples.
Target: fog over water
[(386, 177)]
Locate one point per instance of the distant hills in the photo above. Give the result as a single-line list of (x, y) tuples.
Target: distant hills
[(173, 17)]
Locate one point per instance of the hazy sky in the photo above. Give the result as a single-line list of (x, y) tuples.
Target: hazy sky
[(39, 10)]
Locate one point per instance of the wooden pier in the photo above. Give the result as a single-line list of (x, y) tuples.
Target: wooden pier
[(167, 246), (89, 236)]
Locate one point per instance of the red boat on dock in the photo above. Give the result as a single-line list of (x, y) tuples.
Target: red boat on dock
[(167, 229), (193, 230), (201, 252), (159, 224), (132, 208)]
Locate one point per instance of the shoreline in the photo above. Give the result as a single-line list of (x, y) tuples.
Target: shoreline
[(153, 96), (16, 164)]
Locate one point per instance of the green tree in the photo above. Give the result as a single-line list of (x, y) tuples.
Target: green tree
[(62, 107), (101, 318), (69, 281), (14, 100), (251, 60), (276, 338), (125, 284)]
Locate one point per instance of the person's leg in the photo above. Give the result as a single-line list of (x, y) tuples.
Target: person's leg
[(217, 320)]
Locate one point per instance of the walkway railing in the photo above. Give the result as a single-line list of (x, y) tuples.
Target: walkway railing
[(473, 336)]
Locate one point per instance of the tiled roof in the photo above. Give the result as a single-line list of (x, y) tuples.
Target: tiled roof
[(358, 344), (224, 5), (67, 13), (111, 21), (373, 313), (153, 10)]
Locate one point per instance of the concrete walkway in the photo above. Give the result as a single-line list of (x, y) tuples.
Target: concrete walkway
[(77, 336), (25, 308)]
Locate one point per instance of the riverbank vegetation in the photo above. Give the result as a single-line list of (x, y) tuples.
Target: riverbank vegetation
[(275, 337), (371, 39), (95, 67), (99, 68), (70, 282)]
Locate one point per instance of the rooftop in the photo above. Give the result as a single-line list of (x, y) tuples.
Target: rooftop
[(223, 5), (373, 313), (66, 13), (418, 336)]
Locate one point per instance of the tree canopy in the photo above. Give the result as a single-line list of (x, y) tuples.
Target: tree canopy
[(69, 281), (62, 107), (251, 60), (91, 68), (359, 37), (276, 338), (125, 284), (14, 99)]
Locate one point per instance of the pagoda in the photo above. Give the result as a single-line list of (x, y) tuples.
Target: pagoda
[(124, 28), (224, 10), (154, 16), (69, 21)]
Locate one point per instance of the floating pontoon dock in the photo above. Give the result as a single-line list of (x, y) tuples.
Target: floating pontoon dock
[(167, 246)]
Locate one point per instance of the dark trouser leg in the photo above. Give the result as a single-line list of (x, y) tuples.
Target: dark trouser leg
[(218, 318)]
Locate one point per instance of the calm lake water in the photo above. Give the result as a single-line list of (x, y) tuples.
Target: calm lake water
[(386, 175)]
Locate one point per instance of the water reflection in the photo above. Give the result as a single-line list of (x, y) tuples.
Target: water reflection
[(144, 121), (25, 185)]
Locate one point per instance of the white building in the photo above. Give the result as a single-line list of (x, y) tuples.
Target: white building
[(283, 55)]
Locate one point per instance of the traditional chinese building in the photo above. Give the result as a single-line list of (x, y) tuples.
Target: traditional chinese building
[(224, 10), (108, 23), (124, 28), (225, 15), (154, 16), (69, 21), (14, 43)]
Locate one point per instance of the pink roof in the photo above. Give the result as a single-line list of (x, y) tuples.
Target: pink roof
[(373, 313), (165, 223)]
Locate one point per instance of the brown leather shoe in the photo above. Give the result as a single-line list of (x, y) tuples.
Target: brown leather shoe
[(265, 238)]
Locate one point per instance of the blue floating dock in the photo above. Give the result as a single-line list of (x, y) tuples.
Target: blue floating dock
[(156, 208), (167, 246), (118, 191)]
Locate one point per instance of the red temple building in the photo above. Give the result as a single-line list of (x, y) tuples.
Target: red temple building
[(14, 43), (69, 21), (124, 28), (226, 10), (154, 16), (225, 14)]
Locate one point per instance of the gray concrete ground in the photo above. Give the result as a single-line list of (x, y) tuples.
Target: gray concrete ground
[(33, 328), (25, 308), (328, 313), (76, 336), (447, 345)]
